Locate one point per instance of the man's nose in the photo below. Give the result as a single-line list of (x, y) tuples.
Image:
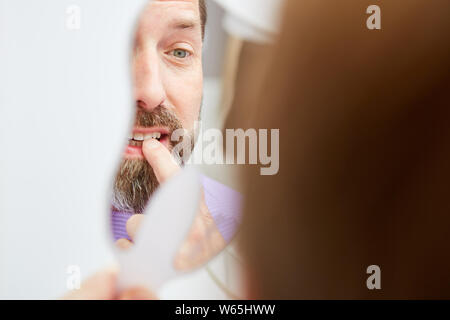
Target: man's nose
[(148, 85)]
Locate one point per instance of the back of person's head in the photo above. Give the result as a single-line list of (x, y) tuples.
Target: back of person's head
[(364, 119)]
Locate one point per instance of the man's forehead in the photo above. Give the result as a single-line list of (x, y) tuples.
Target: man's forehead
[(172, 13), (189, 5), (189, 1)]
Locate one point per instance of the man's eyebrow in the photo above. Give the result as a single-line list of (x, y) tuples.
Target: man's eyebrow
[(184, 24)]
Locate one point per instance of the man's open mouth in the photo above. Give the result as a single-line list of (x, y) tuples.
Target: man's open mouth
[(138, 138)]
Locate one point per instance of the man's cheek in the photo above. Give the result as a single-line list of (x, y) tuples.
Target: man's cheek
[(187, 99)]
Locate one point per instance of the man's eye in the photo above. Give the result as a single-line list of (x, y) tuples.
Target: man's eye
[(180, 53)]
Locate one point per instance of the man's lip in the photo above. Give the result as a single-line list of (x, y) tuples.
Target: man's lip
[(136, 151), (162, 130), (133, 152)]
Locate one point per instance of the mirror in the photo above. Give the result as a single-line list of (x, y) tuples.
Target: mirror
[(171, 95)]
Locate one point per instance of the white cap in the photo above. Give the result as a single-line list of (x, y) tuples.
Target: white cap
[(252, 20)]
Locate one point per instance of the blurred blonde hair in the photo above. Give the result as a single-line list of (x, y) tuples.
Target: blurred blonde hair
[(364, 118)]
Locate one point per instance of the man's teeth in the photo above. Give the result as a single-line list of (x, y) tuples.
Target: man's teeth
[(142, 137), (155, 135)]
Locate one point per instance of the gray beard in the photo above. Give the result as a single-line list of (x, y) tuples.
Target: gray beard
[(136, 181), (133, 186)]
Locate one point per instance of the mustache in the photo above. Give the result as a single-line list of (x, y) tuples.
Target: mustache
[(135, 180), (158, 117)]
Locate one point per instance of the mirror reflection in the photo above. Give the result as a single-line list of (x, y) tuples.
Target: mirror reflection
[(168, 86)]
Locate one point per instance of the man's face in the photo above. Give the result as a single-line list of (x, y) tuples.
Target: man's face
[(168, 81)]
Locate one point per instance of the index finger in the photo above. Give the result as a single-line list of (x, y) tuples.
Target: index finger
[(133, 225), (160, 159)]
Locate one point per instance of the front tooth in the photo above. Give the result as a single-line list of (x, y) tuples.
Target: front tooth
[(154, 135), (138, 137)]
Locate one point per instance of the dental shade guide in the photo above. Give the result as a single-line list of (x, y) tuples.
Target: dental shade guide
[(168, 219)]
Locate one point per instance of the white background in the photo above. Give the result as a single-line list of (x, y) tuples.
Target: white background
[(65, 108), (64, 112)]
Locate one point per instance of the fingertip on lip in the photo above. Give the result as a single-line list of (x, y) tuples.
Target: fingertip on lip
[(151, 144)]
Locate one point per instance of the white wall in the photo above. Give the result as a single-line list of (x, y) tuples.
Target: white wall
[(64, 110), (65, 106)]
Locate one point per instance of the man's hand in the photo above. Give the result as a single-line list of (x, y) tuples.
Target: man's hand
[(204, 240)]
